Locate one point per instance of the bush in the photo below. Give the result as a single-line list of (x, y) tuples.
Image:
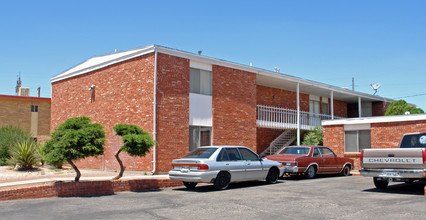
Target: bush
[(137, 142), (9, 137), (25, 155), (314, 137), (75, 139)]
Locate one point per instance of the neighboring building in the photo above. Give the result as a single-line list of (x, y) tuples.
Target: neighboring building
[(348, 137), (186, 100), (31, 114)]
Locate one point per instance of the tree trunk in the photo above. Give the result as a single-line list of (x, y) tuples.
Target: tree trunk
[(121, 166), (77, 177)]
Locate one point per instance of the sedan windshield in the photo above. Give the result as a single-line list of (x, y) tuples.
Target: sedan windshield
[(296, 150), (201, 153)]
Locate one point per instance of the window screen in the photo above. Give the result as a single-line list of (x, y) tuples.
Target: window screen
[(200, 81), (356, 141)]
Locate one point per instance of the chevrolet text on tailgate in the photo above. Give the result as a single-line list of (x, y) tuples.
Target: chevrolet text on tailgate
[(404, 164)]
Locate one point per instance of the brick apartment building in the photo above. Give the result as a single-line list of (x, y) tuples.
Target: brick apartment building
[(186, 100), (31, 114)]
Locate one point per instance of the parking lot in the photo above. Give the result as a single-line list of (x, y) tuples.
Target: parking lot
[(329, 197)]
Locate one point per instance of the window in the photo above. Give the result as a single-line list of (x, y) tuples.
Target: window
[(233, 154), (200, 81), (248, 155), (34, 108), (201, 153), (325, 109), (326, 152), (199, 136), (316, 153), (356, 141)]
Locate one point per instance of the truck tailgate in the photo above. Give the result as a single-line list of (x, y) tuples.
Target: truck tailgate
[(394, 158)]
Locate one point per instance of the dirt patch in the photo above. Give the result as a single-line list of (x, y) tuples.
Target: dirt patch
[(9, 174)]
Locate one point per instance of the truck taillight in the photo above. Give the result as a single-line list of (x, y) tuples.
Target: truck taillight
[(361, 157), (424, 156)]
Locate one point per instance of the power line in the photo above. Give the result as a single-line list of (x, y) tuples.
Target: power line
[(410, 96)]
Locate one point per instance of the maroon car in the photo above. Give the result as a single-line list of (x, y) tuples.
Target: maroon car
[(312, 160)]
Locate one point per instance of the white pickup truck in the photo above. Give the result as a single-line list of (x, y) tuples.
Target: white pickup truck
[(404, 164)]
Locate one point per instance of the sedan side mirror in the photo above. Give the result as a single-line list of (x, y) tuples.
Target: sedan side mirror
[(260, 158)]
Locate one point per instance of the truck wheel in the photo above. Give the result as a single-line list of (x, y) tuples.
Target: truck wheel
[(311, 172), (380, 183)]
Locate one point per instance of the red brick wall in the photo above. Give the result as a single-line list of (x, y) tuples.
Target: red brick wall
[(383, 135), (340, 108), (85, 188), (123, 94), (265, 136), (379, 108), (388, 135), (172, 109), (234, 107), (283, 98)]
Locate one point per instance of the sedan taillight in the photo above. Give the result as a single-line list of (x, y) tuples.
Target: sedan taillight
[(361, 157), (191, 166), (424, 156)]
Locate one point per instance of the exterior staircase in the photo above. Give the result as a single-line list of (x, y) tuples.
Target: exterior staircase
[(282, 141)]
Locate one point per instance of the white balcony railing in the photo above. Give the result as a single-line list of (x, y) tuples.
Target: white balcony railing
[(284, 118)]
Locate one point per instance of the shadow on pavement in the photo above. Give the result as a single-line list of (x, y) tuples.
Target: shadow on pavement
[(206, 188), (416, 188)]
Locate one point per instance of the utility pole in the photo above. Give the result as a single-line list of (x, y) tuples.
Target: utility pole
[(353, 84)]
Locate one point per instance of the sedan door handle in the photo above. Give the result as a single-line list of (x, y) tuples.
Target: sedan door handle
[(227, 164)]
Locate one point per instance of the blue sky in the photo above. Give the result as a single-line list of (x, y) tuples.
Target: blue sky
[(381, 41)]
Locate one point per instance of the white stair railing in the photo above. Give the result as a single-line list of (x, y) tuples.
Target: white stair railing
[(282, 141)]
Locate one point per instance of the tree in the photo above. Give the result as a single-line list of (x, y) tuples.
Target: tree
[(137, 142), (400, 107), (75, 139), (314, 137), (9, 137)]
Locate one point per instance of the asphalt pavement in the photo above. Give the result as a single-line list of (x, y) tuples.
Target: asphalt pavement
[(326, 197)]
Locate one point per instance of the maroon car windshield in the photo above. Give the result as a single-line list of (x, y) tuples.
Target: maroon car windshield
[(296, 150)]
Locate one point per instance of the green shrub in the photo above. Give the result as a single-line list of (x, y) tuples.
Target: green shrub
[(137, 142), (25, 155), (75, 139), (313, 137), (9, 137)]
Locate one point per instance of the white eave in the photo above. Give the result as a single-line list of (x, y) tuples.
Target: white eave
[(378, 119), (264, 77)]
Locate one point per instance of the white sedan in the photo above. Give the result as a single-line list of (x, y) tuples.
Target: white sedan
[(222, 165)]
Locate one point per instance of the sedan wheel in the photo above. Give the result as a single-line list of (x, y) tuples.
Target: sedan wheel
[(222, 181), (190, 185), (346, 171), (311, 172), (273, 175)]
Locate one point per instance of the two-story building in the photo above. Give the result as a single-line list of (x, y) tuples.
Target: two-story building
[(187, 100)]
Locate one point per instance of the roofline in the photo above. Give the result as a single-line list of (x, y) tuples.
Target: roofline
[(220, 62), (29, 98), (378, 119)]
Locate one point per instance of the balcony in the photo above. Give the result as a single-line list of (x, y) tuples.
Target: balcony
[(284, 118)]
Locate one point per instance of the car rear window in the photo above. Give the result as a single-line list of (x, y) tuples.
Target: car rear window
[(296, 150), (414, 141), (201, 153)]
